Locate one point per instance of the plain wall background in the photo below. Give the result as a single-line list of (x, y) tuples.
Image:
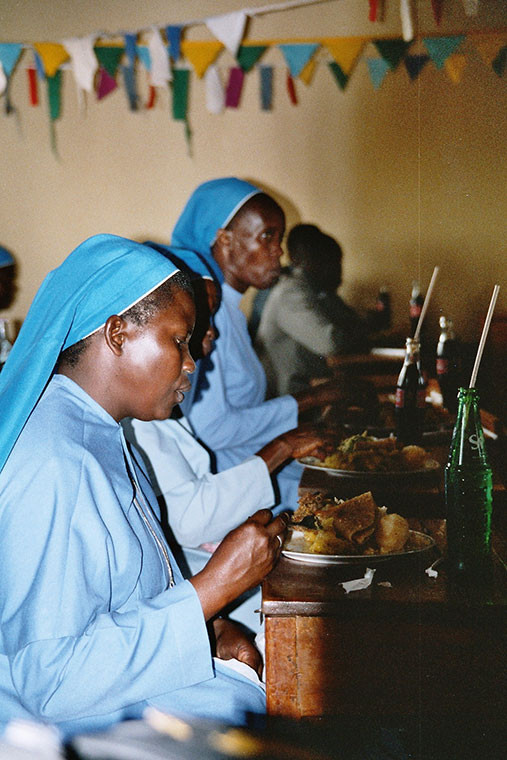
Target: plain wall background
[(406, 177)]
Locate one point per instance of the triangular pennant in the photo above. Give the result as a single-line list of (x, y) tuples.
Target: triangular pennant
[(173, 34), (372, 14), (339, 74), (143, 54), (180, 83), (215, 93), (152, 98), (160, 72), (377, 68), (131, 48), (109, 57), (392, 51), (83, 60), (105, 83), (54, 91), (129, 77), (455, 66), (39, 66), (9, 55), (234, 87), (498, 64), (3, 79), (266, 81), (346, 51), (306, 75), (415, 64), (248, 55), (487, 45), (32, 86), (436, 7), (229, 29), (201, 54), (440, 48), (297, 55), (291, 89), (52, 55), (407, 28)]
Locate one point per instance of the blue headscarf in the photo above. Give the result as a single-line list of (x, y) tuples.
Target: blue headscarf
[(6, 259), (105, 275), (210, 208), (188, 261)]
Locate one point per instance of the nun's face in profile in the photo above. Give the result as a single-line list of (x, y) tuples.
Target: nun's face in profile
[(207, 301), (253, 244)]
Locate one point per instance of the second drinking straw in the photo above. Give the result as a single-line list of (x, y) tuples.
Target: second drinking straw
[(425, 304), (484, 335)]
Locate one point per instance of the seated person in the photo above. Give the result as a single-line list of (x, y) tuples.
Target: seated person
[(304, 320), (201, 507), (238, 230), (96, 620)]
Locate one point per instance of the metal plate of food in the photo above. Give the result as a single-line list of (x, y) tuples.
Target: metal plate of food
[(294, 548), (431, 466)]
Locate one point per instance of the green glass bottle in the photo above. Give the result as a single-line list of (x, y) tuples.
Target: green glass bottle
[(468, 492)]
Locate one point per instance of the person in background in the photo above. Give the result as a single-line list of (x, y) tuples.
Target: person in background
[(304, 320), (201, 506), (7, 278), (238, 230), (96, 620)]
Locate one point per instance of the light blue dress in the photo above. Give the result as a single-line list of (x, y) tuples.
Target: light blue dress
[(91, 631)]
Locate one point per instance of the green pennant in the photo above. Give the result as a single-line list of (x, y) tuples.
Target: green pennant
[(109, 57), (180, 93), (248, 55), (340, 76), (54, 89), (392, 51)]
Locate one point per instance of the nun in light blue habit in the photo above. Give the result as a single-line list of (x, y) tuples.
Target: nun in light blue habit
[(96, 621), (229, 412)]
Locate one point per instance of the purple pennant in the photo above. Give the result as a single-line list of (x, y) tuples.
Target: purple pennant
[(234, 87), (415, 64), (105, 84)]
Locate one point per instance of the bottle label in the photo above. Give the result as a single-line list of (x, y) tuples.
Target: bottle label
[(415, 310), (400, 398), (442, 366), (421, 398)]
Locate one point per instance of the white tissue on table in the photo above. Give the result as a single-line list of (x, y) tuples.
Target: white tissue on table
[(359, 583)]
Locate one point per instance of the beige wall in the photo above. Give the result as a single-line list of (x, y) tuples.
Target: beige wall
[(405, 178)]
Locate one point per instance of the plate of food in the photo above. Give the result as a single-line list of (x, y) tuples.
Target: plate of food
[(365, 455), (329, 531)]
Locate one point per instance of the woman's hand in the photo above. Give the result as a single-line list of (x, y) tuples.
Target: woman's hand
[(232, 643), (300, 442), (320, 395), (241, 561)]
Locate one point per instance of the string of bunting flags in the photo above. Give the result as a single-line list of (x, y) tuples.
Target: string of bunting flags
[(99, 63)]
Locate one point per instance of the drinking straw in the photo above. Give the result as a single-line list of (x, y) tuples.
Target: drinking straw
[(425, 304), (484, 335)]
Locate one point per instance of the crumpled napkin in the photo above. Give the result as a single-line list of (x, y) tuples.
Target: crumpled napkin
[(359, 583)]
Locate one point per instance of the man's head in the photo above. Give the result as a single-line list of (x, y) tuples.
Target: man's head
[(7, 278), (318, 255), (248, 249)]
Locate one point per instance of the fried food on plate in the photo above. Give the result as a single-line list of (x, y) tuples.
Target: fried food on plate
[(365, 453)]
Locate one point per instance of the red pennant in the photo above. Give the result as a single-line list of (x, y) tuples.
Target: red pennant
[(436, 6), (32, 86), (152, 98), (291, 89), (373, 10)]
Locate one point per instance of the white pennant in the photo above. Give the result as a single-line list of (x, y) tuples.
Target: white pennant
[(471, 7), (160, 71), (215, 92), (3, 80), (229, 28), (83, 60), (407, 29)]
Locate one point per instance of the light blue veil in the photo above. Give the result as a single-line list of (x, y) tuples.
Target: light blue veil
[(105, 275), (211, 207)]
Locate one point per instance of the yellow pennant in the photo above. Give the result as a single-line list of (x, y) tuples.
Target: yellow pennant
[(52, 55), (201, 54), (345, 50), (308, 71), (488, 45), (455, 66)]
